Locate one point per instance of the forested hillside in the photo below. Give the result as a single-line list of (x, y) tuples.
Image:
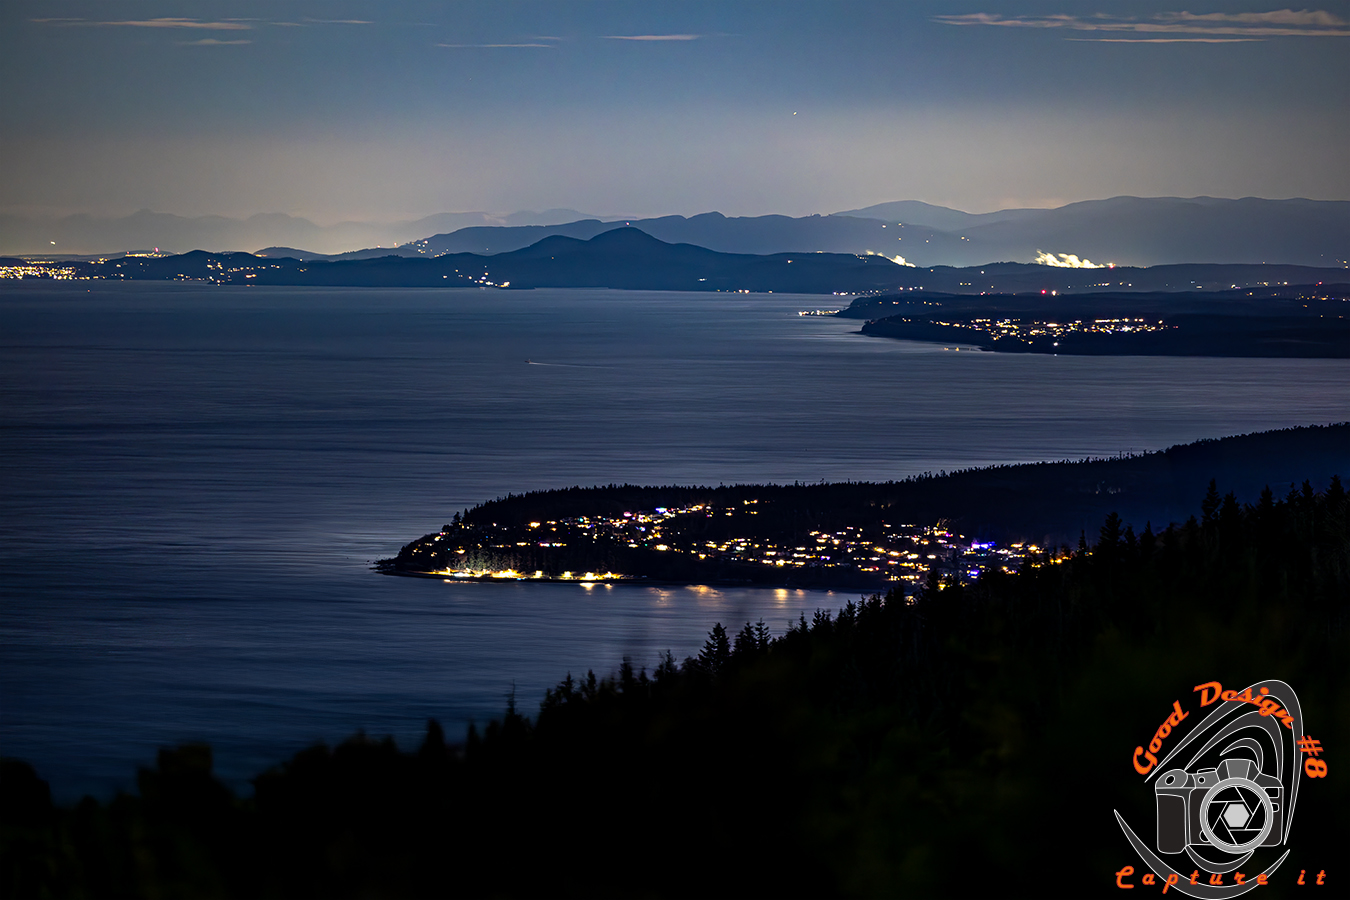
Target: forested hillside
[(969, 743), (1047, 503)]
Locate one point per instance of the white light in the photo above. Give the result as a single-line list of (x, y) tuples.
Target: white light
[(1064, 261)]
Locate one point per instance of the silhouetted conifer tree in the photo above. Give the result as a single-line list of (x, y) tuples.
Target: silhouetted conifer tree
[(716, 652), (892, 745)]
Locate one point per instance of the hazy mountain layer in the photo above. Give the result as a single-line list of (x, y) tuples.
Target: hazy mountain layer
[(629, 259), (1127, 231), (1141, 231), (1163, 231), (916, 212), (749, 234), (1123, 230), (146, 230)]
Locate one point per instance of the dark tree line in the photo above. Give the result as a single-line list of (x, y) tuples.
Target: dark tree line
[(1047, 503), (971, 741)]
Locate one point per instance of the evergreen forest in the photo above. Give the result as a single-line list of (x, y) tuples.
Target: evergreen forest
[(969, 741)]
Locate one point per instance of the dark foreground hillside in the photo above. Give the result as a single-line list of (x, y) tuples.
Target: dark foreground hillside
[(972, 743)]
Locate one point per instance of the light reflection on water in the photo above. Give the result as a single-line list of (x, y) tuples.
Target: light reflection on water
[(196, 480)]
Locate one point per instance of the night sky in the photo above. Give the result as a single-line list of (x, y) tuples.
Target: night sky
[(375, 111)]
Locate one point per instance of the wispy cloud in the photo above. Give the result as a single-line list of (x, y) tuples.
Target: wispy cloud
[(1196, 27), (652, 37), (1307, 18), (1194, 40), (495, 46), (163, 22), (212, 42), (192, 23), (537, 41)]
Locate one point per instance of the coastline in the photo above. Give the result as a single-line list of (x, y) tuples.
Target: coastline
[(639, 580)]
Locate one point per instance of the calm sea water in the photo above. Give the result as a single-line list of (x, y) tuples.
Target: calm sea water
[(195, 480)]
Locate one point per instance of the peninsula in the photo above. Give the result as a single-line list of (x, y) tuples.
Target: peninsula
[(949, 528), (1310, 321)]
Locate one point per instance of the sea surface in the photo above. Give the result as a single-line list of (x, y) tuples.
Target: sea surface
[(195, 480)]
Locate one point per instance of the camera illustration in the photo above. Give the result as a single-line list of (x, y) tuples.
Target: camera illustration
[(1233, 807)]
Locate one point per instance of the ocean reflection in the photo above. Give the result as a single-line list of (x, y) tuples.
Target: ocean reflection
[(197, 481)]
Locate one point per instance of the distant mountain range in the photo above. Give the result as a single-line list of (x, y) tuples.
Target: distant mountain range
[(627, 258), (1126, 231), (1170, 230), (916, 212), (146, 230), (754, 234), (624, 258)]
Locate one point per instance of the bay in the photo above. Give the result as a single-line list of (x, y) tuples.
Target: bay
[(194, 481)]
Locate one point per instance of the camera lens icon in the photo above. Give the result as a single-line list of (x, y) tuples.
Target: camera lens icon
[(1233, 806)]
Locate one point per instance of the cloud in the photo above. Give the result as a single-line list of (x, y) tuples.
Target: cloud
[(652, 37), (1196, 40), (1204, 26), (183, 22), (495, 46), (175, 22), (530, 41), (1304, 17), (212, 42)]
